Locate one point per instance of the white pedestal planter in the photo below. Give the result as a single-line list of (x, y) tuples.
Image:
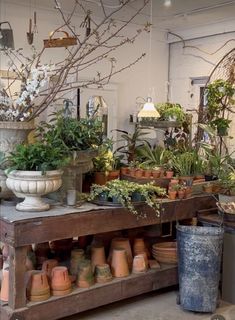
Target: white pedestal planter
[(31, 185)]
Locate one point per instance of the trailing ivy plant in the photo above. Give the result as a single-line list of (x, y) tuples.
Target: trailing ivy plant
[(123, 190)]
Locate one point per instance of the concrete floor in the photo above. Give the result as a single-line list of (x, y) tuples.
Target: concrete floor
[(152, 306)]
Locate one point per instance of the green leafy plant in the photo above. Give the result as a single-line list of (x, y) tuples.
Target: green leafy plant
[(221, 125), (169, 110), (131, 142), (154, 157), (183, 163), (71, 134), (36, 157), (123, 190)]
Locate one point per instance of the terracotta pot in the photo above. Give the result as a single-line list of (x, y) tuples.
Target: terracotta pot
[(165, 252), (172, 194), (208, 188), (139, 264), (132, 172), (188, 192), (119, 263), (122, 243), (48, 265), (97, 256), (5, 251), (38, 288), (169, 174), (112, 175), (144, 255), (100, 178), (181, 194), (103, 273), (147, 173), (156, 174), (139, 173), (4, 294), (60, 280), (153, 264), (125, 170), (85, 278), (139, 246)]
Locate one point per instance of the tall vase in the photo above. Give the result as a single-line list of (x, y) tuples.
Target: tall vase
[(11, 134)]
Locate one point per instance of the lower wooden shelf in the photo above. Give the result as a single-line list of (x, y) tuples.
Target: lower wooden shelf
[(84, 299)]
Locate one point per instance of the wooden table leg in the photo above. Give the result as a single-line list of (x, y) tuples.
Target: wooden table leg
[(17, 286)]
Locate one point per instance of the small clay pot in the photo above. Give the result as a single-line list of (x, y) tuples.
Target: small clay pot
[(48, 265), (169, 174), (147, 173), (156, 174), (38, 288), (139, 173), (85, 278), (113, 175), (139, 264), (181, 194), (125, 170), (144, 255), (60, 280), (97, 256), (123, 243), (100, 178), (103, 273), (4, 294), (119, 264), (172, 194), (139, 246), (5, 251), (77, 255)]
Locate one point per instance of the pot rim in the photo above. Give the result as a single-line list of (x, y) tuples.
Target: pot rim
[(31, 174)]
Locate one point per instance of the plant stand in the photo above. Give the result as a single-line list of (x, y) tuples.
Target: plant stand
[(62, 223)]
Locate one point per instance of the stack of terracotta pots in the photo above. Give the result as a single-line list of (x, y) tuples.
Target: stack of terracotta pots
[(97, 256), (38, 288), (121, 243), (60, 281), (77, 255)]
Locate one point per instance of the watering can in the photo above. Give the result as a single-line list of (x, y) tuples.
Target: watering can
[(6, 36)]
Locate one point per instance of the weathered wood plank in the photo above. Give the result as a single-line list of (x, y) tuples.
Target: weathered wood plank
[(84, 299), (93, 222), (17, 289)]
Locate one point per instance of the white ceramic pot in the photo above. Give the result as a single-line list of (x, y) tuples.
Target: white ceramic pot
[(31, 185)]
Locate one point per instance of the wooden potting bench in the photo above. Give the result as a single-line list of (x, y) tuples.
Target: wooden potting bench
[(18, 230)]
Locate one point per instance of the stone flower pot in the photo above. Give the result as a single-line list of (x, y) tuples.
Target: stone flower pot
[(31, 185), (11, 134)]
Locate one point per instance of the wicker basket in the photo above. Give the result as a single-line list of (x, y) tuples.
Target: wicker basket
[(59, 42)]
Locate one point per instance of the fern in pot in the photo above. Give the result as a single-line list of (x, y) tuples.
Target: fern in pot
[(35, 171)]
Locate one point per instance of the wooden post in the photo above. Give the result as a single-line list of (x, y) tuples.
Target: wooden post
[(17, 285)]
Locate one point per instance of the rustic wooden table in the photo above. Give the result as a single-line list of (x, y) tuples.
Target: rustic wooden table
[(19, 229)]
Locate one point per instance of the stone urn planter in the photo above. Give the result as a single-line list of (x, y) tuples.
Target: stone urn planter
[(31, 185), (11, 134)]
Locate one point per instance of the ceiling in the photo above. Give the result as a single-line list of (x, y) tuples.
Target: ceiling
[(182, 14)]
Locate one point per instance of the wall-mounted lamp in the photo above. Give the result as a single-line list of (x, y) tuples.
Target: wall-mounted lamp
[(148, 110), (6, 37)]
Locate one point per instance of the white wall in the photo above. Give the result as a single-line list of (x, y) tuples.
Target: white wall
[(198, 59), (130, 83)]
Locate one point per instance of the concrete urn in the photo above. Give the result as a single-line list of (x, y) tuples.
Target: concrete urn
[(31, 185)]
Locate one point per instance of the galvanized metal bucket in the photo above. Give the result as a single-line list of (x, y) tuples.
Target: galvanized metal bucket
[(199, 256), (6, 39)]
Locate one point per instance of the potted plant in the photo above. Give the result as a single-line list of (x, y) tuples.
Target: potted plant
[(171, 112), (221, 125), (122, 191), (35, 171), (183, 166), (227, 184), (172, 191)]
